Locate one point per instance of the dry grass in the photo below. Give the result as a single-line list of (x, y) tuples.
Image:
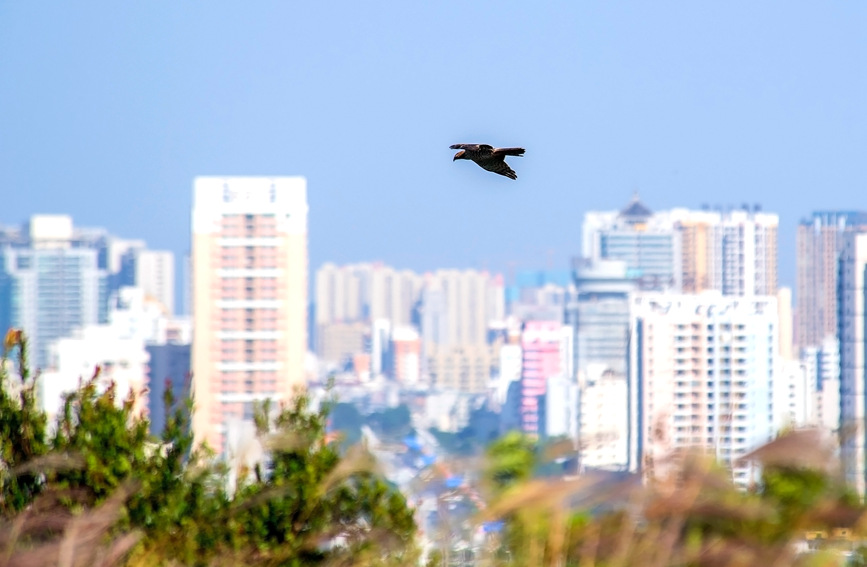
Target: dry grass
[(694, 516), (47, 533), (647, 524)]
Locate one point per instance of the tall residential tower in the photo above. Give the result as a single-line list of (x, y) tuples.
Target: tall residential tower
[(249, 298), (819, 241), (852, 334)]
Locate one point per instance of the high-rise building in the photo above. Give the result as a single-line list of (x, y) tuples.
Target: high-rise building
[(51, 282), (603, 429), (340, 294), (365, 292), (600, 316), (338, 342), (748, 251), (406, 356), (540, 347), (703, 373), (462, 308), (154, 272), (734, 252), (852, 333), (250, 298), (647, 242), (822, 367), (56, 278), (461, 368), (819, 242), (380, 346), (168, 367)]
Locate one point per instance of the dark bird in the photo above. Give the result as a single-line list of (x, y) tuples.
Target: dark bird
[(490, 158)]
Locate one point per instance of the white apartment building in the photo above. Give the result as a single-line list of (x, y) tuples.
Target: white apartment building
[(603, 431), (117, 348), (703, 373)]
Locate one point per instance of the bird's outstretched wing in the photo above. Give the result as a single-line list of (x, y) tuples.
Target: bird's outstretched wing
[(471, 147), (497, 165)]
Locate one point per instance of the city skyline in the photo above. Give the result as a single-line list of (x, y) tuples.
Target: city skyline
[(687, 104), (178, 300)]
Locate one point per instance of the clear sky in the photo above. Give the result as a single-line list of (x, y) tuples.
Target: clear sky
[(109, 109)]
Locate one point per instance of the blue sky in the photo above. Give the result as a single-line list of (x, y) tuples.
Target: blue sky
[(108, 110)]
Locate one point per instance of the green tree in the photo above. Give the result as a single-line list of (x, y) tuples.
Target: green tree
[(309, 505), (305, 504), (22, 429)]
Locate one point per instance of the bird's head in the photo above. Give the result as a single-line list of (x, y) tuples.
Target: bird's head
[(459, 155)]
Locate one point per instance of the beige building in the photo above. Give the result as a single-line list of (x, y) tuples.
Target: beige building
[(338, 342), (697, 243), (365, 292), (734, 252), (465, 368), (249, 276)]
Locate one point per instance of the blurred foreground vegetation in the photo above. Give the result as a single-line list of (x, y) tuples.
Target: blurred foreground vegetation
[(93, 488), (799, 513)]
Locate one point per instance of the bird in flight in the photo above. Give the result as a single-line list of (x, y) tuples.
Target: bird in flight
[(490, 158)]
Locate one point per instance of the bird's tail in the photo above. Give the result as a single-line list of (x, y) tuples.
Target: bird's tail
[(511, 151)]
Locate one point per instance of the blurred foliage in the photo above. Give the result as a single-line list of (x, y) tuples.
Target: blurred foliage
[(22, 428), (693, 515), (93, 488), (96, 489)]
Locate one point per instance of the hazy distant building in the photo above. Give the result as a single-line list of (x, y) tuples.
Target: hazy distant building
[(56, 277), (51, 282), (250, 298), (648, 243), (457, 307), (852, 333), (603, 430), (822, 366), (117, 348), (405, 356), (339, 342), (561, 408), (380, 346), (602, 314), (153, 271), (600, 318), (819, 243), (168, 366), (734, 251), (748, 249), (541, 342), (786, 321), (465, 369), (703, 374), (365, 292)]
